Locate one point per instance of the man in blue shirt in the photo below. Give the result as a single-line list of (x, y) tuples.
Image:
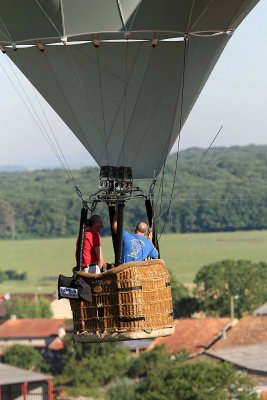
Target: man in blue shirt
[(136, 247)]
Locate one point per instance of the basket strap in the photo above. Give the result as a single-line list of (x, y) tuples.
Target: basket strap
[(125, 319), (127, 289)]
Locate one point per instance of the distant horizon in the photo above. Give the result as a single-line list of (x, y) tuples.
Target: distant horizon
[(76, 162)]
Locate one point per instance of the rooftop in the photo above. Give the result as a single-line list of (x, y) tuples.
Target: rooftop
[(30, 328), (251, 329), (10, 375), (261, 310), (194, 335), (57, 344), (137, 344), (252, 357)]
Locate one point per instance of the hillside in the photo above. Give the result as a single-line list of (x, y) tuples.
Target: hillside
[(224, 192)]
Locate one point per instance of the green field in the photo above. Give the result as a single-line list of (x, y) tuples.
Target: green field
[(184, 255)]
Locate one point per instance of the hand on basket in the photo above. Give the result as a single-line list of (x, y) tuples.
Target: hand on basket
[(150, 236)]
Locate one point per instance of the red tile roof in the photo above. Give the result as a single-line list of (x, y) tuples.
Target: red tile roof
[(193, 335), (251, 329), (56, 344), (30, 328)]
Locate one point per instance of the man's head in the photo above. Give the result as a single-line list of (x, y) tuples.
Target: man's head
[(94, 223), (141, 229)]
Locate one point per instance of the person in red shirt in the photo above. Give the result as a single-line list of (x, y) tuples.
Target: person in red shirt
[(92, 253)]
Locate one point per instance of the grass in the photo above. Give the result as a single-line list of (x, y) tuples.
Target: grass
[(184, 255)]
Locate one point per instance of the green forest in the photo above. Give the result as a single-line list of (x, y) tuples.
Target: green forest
[(107, 370), (223, 190)]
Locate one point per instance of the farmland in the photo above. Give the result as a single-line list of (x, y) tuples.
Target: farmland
[(184, 254)]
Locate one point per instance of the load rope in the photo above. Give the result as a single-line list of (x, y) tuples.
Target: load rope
[(229, 114), (33, 113)]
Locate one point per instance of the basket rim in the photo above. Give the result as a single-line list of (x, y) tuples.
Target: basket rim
[(124, 335), (122, 267)]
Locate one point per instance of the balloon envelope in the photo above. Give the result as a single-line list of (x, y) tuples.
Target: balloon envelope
[(125, 100)]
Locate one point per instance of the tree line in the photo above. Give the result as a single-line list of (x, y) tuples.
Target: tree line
[(224, 191), (107, 370)]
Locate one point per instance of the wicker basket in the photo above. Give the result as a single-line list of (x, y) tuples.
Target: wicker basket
[(131, 301)]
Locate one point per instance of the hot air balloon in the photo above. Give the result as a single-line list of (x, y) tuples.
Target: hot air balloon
[(124, 76)]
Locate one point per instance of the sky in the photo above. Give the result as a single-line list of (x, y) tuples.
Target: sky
[(235, 96)]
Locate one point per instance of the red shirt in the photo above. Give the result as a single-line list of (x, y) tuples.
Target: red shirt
[(91, 240)]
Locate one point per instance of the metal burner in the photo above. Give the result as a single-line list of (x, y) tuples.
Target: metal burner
[(115, 180)]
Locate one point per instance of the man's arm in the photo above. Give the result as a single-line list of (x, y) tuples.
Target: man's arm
[(99, 256), (154, 253), (150, 236)]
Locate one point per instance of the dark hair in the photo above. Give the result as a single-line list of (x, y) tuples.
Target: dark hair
[(90, 222)]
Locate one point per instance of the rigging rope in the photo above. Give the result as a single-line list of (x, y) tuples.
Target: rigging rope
[(125, 101), (121, 101), (84, 93), (33, 113), (152, 113), (137, 97), (181, 89), (47, 16), (232, 108), (64, 164), (102, 103), (54, 136)]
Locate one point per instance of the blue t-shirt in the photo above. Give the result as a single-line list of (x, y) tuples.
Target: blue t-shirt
[(137, 248)]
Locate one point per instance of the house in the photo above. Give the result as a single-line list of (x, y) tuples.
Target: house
[(39, 333), (245, 347), (261, 310), (250, 330), (61, 309), (17, 383), (194, 335), (251, 358), (137, 346)]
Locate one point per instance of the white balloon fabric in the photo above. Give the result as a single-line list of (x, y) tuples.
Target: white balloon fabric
[(126, 100)]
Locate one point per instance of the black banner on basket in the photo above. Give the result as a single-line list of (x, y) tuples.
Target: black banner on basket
[(127, 289), (74, 287)]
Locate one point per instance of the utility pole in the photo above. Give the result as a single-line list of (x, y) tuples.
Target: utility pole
[(232, 306)]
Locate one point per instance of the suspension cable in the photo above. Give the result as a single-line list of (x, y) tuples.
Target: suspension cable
[(33, 113), (226, 119), (230, 112), (181, 90), (102, 103)]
